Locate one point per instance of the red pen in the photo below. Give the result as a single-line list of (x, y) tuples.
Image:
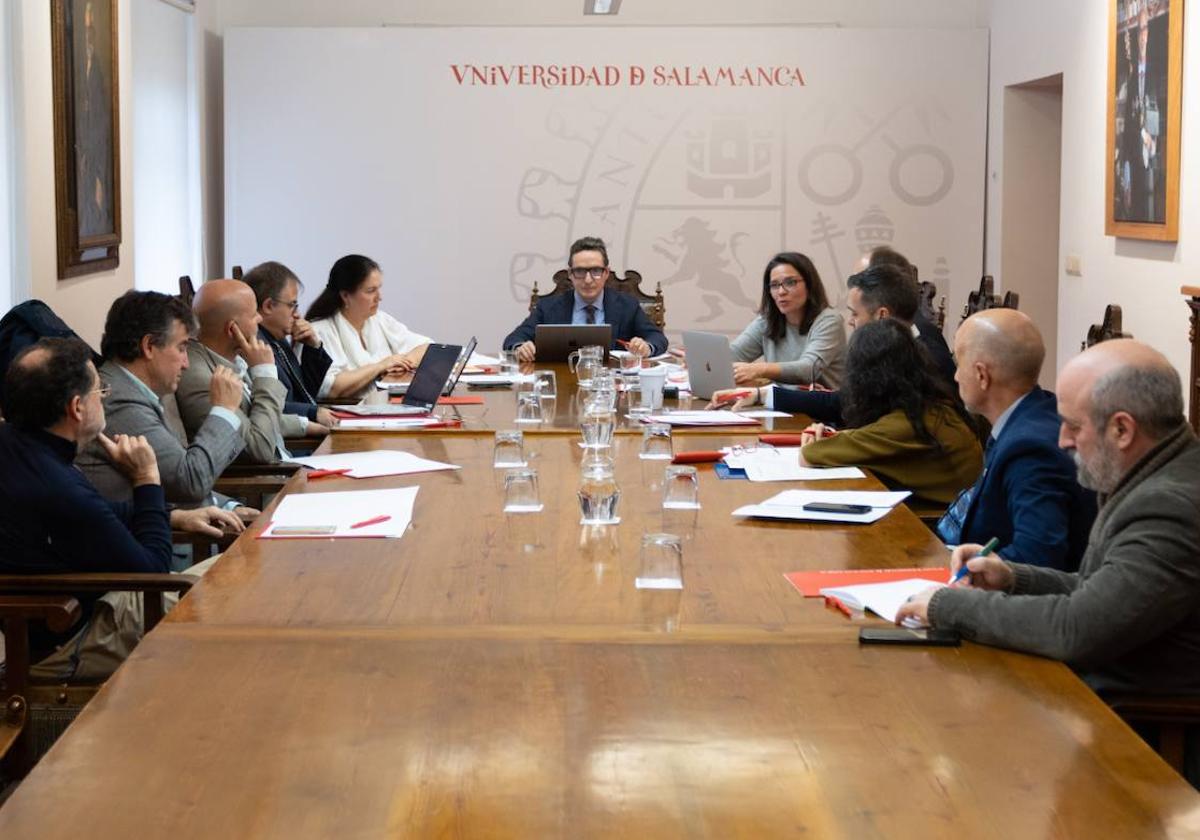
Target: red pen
[(623, 343), (838, 605), (372, 521), (327, 473)]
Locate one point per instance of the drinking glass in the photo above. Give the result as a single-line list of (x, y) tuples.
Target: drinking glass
[(529, 407), (521, 491), (656, 442), (598, 494), (548, 383), (631, 363), (661, 564), (599, 420), (509, 365), (681, 488), (509, 450)]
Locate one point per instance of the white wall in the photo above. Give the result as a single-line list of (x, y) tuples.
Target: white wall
[(8, 272), (165, 134), (213, 17), (82, 302), (1036, 38)]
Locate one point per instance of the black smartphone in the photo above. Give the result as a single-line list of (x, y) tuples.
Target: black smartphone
[(908, 636), (834, 507)]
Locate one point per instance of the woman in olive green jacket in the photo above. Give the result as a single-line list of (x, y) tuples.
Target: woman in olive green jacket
[(904, 426)]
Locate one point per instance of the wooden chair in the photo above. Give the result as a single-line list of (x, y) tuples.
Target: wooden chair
[(50, 707), (928, 293), (1170, 715), (631, 284), (187, 292), (236, 273), (1107, 329), (985, 297), (1192, 293)]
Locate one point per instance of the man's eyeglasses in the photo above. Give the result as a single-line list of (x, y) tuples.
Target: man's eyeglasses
[(789, 284), (597, 272), (292, 305), (104, 391)]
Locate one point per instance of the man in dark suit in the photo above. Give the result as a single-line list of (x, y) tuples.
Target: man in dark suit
[(590, 303), (1027, 496), (302, 363)]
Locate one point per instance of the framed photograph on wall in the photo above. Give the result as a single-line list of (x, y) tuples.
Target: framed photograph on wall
[(1145, 86), (87, 165)]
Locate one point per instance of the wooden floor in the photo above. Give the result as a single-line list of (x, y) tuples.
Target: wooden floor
[(493, 675)]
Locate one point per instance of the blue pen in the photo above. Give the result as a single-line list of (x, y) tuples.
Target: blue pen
[(963, 571)]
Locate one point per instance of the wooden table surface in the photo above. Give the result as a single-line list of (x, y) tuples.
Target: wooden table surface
[(466, 562), (211, 733), (493, 675), (499, 411)]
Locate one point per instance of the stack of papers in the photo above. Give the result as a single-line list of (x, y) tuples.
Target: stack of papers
[(494, 378), (883, 599), (373, 463), (385, 424), (701, 418), (767, 464), (790, 505), (358, 513)]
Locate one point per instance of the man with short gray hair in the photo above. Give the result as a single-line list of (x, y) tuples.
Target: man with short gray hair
[(1129, 619)]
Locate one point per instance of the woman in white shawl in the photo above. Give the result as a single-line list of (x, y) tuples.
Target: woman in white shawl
[(363, 342)]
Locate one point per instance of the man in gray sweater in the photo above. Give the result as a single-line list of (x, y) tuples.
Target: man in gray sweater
[(1129, 619)]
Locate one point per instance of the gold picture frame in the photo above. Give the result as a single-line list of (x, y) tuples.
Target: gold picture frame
[(1145, 96), (87, 136)]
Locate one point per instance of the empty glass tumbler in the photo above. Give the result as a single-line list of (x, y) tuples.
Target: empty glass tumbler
[(521, 491), (598, 494), (681, 488), (509, 449), (656, 442)]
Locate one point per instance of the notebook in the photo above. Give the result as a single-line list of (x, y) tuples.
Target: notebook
[(883, 599)]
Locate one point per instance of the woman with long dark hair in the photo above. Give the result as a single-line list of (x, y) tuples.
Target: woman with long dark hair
[(797, 337), (902, 424), (363, 342)]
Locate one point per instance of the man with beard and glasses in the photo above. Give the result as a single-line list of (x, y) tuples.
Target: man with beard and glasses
[(1129, 619)]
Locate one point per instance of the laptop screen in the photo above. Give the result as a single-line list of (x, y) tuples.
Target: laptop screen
[(432, 374)]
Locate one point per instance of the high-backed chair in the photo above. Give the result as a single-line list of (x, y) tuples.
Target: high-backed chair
[(1107, 329), (985, 297), (1171, 716), (631, 283), (187, 292), (236, 273), (1192, 293), (928, 293)]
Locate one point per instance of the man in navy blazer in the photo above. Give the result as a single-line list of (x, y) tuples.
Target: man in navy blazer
[(1028, 496), (590, 303)]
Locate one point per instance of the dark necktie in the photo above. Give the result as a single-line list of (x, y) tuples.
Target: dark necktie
[(950, 526), (589, 312)]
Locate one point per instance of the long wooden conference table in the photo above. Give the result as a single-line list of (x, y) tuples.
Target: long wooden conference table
[(498, 675)]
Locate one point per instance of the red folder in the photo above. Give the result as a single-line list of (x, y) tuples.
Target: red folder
[(810, 584), (699, 456), (465, 400)]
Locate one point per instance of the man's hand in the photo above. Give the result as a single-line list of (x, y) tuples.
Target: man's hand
[(303, 332), (990, 572), (639, 346), (917, 607), (315, 430), (210, 521), (225, 389), (725, 399), (325, 418), (246, 514), (133, 456), (526, 351), (746, 372), (255, 352)]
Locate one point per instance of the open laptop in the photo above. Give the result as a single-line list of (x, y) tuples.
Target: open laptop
[(709, 363), (557, 341), (431, 377), (400, 388)]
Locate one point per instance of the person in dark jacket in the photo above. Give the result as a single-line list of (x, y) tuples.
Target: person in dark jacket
[(1027, 496)]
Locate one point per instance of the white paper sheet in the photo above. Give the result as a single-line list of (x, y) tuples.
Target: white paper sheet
[(373, 463), (763, 414), (493, 378), (384, 424), (783, 464), (883, 599), (701, 418), (343, 510), (790, 505)]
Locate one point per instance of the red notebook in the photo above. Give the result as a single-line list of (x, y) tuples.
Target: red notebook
[(465, 400), (810, 584)]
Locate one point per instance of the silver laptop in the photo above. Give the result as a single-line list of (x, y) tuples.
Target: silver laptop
[(709, 363)]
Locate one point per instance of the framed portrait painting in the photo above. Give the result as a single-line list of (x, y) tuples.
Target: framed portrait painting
[(1145, 86), (87, 166)]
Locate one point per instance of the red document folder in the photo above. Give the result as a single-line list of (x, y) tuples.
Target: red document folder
[(810, 584)]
